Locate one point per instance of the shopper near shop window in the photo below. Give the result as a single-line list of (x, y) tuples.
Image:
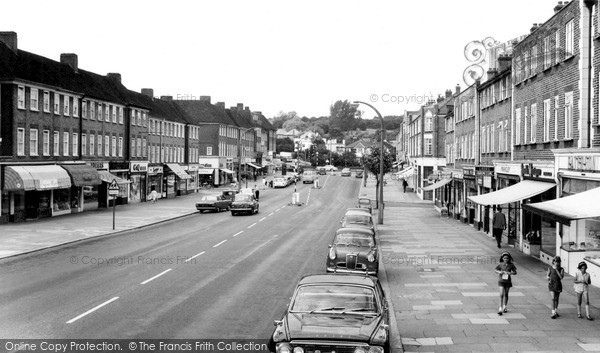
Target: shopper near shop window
[(505, 270), (582, 281), (555, 275), (498, 225)]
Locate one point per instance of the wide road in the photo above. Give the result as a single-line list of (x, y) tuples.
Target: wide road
[(203, 276)]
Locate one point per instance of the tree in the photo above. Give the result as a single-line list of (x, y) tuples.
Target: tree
[(348, 159), (281, 118), (295, 123), (371, 162), (284, 145), (341, 117)]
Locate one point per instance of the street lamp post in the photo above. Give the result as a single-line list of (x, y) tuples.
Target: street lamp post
[(380, 206), (240, 157)]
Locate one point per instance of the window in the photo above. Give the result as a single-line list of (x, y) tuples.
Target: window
[(113, 150), (120, 147), (526, 125), (533, 122), (121, 115), (106, 113), (92, 145), (84, 109), (144, 146), (500, 137), (21, 97), (99, 144), (83, 144), (557, 50), (46, 102), (56, 103), (132, 117), (428, 146), (138, 147), (518, 126), (106, 145), (132, 146), (75, 106), (492, 132), (114, 114), (569, 39), (56, 143), (506, 135), (534, 54), (92, 110), (20, 141), (65, 143), (66, 106), (568, 115), (526, 66), (555, 118), (547, 115), (144, 119), (33, 99), (33, 142), (46, 143), (547, 53), (209, 151), (75, 144)]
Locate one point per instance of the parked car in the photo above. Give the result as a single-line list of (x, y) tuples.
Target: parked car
[(330, 168), (309, 176), (229, 194), (353, 250), (346, 172), (215, 203), (334, 313), (358, 219), (321, 171), (244, 203), (365, 203), (280, 183), (358, 174)]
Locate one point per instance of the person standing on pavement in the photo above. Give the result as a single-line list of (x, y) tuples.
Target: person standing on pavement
[(582, 281), (404, 185), (498, 225), (505, 270), (153, 195), (555, 275)]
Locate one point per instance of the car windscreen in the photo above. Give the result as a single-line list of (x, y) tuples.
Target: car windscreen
[(358, 219), (243, 197), (209, 198), (354, 239), (335, 298), (364, 202)]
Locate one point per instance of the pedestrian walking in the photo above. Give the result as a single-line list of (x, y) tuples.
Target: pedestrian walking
[(505, 270), (498, 225), (404, 185), (256, 194), (271, 183), (582, 281), (153, 195), (264, 181), (555, 275)]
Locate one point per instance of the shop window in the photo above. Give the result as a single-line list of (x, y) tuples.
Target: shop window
[(62, 198)]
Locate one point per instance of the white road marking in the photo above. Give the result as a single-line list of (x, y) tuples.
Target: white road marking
[(262, 219), (92, 310), (238, 233), (155, 277), (195, 256), (252, 225), (214, 246), (270, 214)]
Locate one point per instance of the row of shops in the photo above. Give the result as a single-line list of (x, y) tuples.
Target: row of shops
[(34, 191), (552, 207)]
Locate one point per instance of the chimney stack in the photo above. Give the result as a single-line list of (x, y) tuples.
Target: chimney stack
[(205, 99), (504, 62), (534, 27), (69, 59), (448, 93), (457, 89), (220, 105), (148, 92), (240, 106), (491, 72), (559, 6), (166, 98), (10, 39), (114, 76)]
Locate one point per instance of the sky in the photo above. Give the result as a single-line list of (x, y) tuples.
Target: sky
[(275, 56)]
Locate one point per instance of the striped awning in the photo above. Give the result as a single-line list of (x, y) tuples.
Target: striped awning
[(436, 185), (108, 177), (205, 171), (253, 165), (82, 174), (228, 171), (178, 170), (35, 177)]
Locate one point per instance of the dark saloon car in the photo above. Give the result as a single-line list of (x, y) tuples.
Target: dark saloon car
[(334, 313), (244, 203), (358, 174), (358, 218), (365, 203), (353, 250), (229, 194), (215, 203)]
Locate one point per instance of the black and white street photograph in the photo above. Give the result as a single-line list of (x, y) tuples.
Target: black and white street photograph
[(300, 177)]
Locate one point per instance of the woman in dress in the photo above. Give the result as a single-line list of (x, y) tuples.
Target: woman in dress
[(505, 270), (555, 275)]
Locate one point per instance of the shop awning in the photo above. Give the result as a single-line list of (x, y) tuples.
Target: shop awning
[(82, 174), (227, 170), (405, 172), (437, 184), (266, 164), (108, 177), (253, 165), (205, 171), (582, 205), (513, 193), (35, 177), (178, 170)]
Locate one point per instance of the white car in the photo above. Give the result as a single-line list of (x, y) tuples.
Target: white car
[(330, 168), (280, 182)]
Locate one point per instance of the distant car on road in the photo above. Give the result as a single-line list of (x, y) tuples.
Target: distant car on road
[(330, 168), (346, 172), (280, 183), (321, 171), (215, 203), (365, 203), (244, 203), (358, 174), (334, 313), (309, 176), (353, 250), (358, 219)]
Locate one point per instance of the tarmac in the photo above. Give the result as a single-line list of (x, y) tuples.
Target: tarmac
[(438, 273)]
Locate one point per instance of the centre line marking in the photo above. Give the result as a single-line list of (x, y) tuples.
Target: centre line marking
[(262, 219), (92, 310), (252, 225), (193, 257), (155, 277), (238, 233), (214, 246), (272, 213)]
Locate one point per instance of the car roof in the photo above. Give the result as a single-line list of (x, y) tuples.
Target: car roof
[(357, 211), (339, 278), (354, 230)]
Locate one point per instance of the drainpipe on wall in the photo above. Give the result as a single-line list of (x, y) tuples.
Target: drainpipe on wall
[(590, 6)]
